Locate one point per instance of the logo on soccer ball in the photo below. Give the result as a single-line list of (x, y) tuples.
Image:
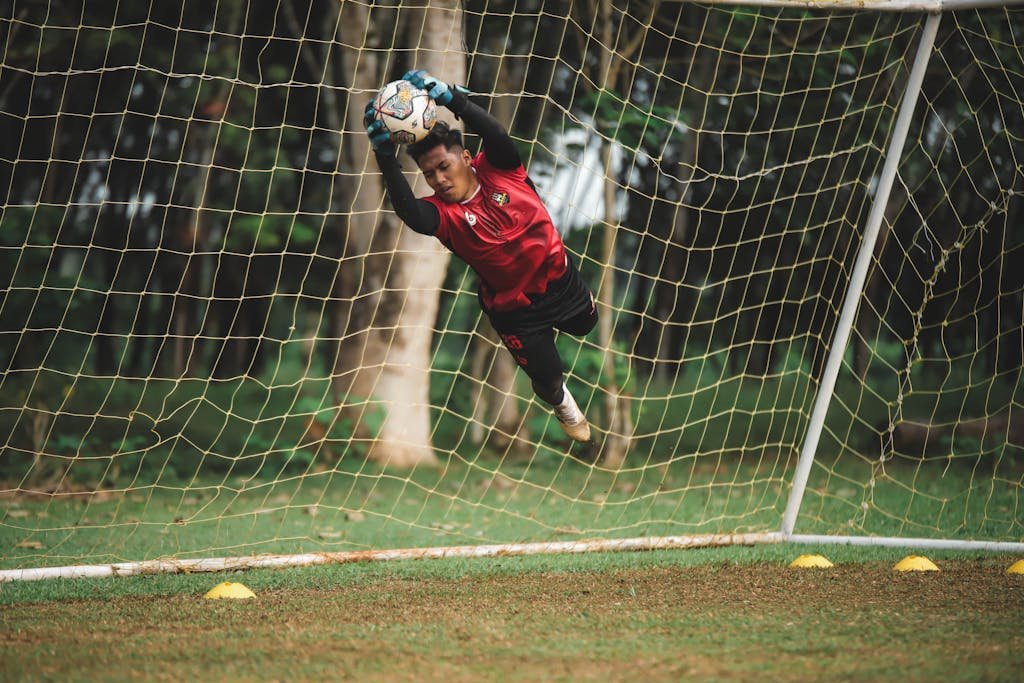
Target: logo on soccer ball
[(407, 112), (500, 198), (399, 105)]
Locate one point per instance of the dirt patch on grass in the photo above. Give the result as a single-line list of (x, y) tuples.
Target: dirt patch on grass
[(668, 623)]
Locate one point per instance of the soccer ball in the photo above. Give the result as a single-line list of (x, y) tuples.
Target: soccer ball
[(407, 112)]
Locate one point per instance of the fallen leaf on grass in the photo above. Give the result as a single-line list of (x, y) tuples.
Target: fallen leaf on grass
[(331, 534)]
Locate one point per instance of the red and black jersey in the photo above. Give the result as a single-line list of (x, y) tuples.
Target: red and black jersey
[(505, 234)]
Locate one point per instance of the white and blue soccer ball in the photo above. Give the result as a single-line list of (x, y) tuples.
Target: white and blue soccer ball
[(407, 112)]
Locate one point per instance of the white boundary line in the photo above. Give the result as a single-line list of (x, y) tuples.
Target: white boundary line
[(892, 542), (217, 564), (220, 564)]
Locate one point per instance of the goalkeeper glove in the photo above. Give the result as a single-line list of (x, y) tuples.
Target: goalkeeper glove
[(380, 139), (439, 91)]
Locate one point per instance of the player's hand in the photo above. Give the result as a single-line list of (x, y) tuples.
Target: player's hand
[(439, 91), (380, 139)]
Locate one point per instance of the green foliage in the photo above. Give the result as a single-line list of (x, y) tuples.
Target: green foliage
[(161, 174), (35, 226), (267, 233), (629, 123), (591, 362)]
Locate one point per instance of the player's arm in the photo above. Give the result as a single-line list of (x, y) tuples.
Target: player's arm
[(499, 148), (418, 214)]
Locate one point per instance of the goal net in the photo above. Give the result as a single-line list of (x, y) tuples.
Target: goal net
[(802, 228)]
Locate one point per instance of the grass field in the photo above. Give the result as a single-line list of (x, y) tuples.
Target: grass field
[(158, 468), (555, 499), (235, 485), (716, 614)]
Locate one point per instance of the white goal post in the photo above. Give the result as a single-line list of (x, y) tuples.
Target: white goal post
[(219, 349)]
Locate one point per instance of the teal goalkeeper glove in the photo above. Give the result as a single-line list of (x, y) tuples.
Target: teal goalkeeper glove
[(380, 139), (439, 91)]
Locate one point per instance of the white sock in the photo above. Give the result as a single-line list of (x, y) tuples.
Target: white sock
[(568, 409)]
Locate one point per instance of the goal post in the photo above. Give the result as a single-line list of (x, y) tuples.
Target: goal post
[(219, 348), (855, 288)]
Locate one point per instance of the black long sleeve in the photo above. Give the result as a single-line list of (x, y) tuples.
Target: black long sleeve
[(498, 147), (420, 215)]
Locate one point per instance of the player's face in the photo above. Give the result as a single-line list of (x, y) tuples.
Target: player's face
[(449, 173)]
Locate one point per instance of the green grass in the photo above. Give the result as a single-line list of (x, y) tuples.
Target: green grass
[(714, 614), (201, 468), (557, 498), (366, 507), (322, 577), (217, 474)]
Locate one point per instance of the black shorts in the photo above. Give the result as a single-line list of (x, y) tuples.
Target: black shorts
[(529, 333)]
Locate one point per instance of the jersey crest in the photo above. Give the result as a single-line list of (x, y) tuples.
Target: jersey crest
[(505, 234)]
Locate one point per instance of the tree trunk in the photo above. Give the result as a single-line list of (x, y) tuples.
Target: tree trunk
[(357, 288), (619, 47), (496, 409), (673, 301), (868, 323), (496, 416), (385, 352), (616, 405), (193, 237)]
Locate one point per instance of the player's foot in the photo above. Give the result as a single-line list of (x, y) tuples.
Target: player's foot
[(571, 418)]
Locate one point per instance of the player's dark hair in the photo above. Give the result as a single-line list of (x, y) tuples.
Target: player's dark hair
[(440, 134)]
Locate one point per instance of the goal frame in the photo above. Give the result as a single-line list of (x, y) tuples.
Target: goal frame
[(840, 338)]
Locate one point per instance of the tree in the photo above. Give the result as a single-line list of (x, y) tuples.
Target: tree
[(496, 414), (620, 39), (386, 350)]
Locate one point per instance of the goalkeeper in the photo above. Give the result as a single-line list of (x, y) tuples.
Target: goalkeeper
[(486, 210)]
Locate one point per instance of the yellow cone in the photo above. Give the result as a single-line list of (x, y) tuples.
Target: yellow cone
[(810, 561), (1016, 568), (915, 563), (229, 590)]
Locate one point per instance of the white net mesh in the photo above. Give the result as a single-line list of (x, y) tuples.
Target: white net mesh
[(216, 339)]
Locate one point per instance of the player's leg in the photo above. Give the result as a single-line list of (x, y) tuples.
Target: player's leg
[(571, 306), (537, 355), (581, 323)]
